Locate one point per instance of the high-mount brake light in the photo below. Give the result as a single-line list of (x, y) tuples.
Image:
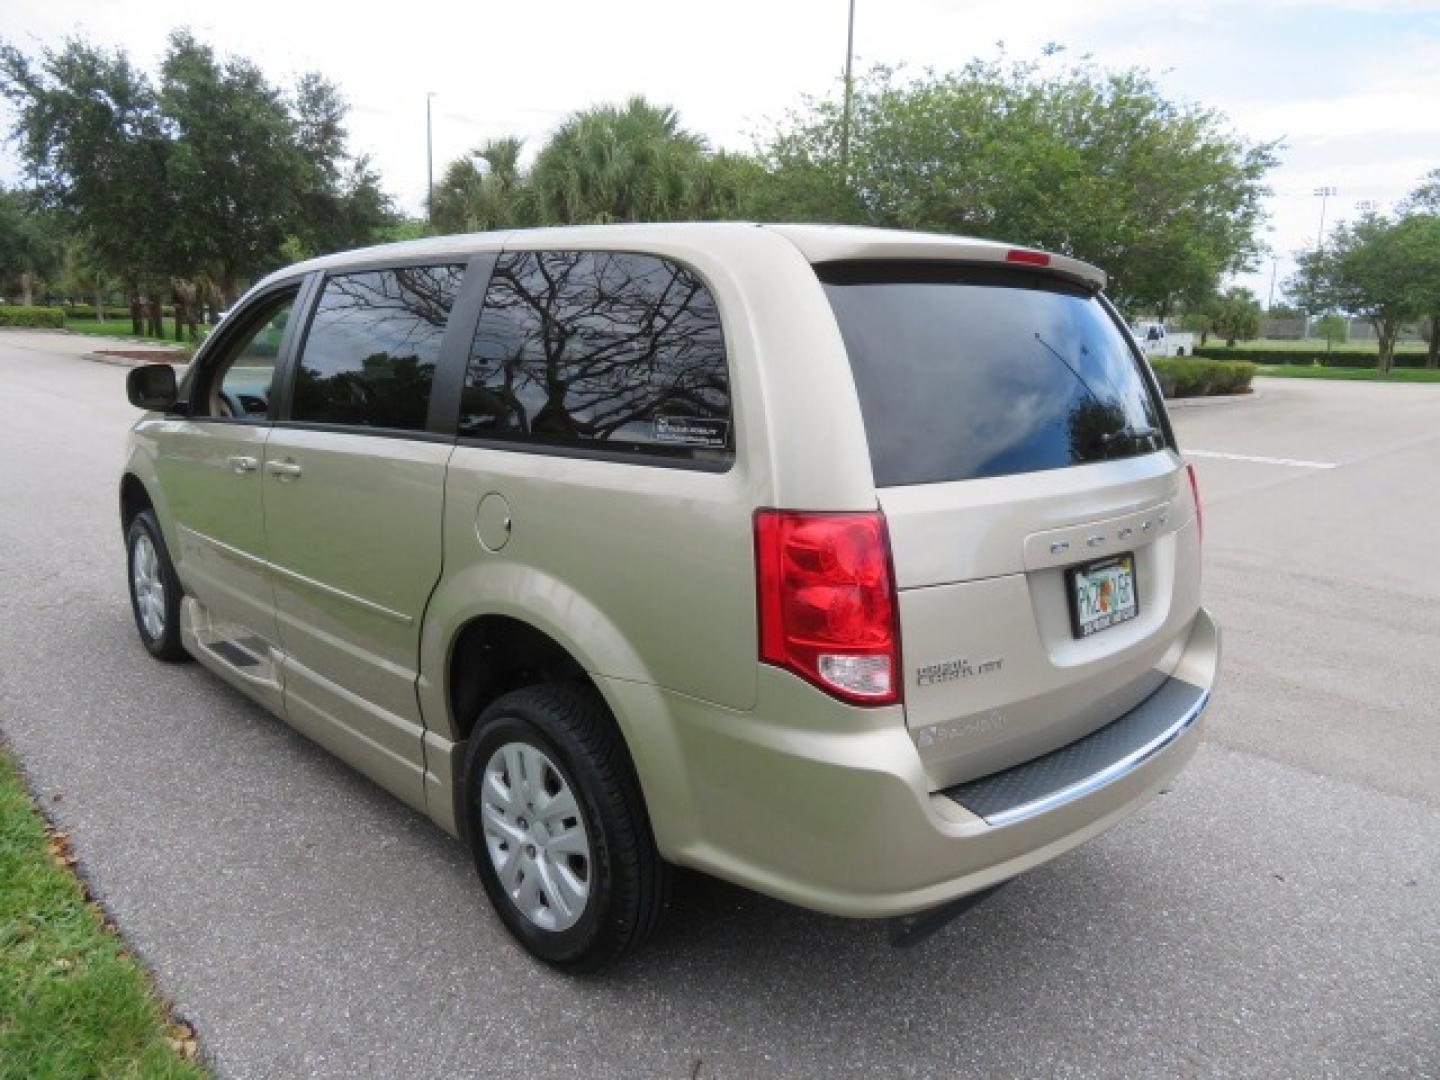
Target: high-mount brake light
[(827, 603), (1028, 257)]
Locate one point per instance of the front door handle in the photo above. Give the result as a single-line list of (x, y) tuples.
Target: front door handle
[(242, 464), (285, 470)]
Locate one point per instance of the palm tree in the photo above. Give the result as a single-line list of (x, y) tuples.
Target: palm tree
[(486, 190), (621, 163)]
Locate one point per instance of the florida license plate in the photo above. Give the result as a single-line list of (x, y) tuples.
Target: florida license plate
[(1102, 594)]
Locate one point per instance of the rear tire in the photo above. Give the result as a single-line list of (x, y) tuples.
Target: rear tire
[(553, 807), (155, 591)]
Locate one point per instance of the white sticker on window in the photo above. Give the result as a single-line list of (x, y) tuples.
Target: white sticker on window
[(691, 431)]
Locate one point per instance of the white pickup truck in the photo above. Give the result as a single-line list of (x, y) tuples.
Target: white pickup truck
[(1155, 340)]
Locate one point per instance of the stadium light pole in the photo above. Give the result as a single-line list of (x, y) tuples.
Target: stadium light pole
[(1324, 194)]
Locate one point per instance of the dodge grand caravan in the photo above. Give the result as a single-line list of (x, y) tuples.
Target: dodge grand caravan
[(857, 567)]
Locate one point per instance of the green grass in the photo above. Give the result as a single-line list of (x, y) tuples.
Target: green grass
[(1311, 344), (1296, 371), (121, 329), (73, 1001)]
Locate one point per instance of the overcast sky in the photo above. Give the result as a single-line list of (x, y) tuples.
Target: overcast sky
[(1352, 86)]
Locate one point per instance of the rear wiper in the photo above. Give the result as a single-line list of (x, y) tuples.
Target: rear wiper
[(1133, 434)]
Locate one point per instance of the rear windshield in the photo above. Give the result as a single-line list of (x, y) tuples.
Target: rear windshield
[(967, 372)]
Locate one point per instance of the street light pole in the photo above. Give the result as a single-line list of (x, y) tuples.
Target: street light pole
[(429, 162), (845, 116)]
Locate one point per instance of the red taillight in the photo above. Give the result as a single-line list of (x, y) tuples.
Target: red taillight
[(1029, 258), (827, 601), (1195, 491)]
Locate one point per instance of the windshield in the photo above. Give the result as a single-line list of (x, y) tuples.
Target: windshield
[(967, 372)]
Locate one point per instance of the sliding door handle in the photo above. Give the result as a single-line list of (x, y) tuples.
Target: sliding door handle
[(285, 470), (242, 464)]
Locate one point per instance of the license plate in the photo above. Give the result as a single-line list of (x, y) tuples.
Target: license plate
[(1102, 594)]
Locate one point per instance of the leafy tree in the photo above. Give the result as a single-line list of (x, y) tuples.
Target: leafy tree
[(235, 168), (1334, 329), (341, 201), (1425, 200), (1380, 268), (204, 178), (91, 134), (1284, 311), (1236, 315), (1198, 314), (84, 275), (1091, 163), (30, 245), (403, 228)]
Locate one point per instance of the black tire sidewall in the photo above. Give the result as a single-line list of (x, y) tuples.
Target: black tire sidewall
[(522, 717), (167, 646)]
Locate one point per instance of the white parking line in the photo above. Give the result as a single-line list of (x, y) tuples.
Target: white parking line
[(1257, 459)]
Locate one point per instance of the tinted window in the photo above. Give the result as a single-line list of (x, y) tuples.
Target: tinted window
[(599, 349), (967, 373), (369, 358)]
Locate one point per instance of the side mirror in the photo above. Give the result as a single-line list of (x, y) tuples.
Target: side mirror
[(152, 386)]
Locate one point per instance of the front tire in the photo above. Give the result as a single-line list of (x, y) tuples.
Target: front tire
[(559, 829), (154, 588)]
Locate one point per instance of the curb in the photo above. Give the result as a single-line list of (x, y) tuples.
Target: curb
[(1216, 399), (126, 361), (156, 344)]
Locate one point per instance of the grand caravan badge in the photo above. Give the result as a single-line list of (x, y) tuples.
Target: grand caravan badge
[(953, 670)]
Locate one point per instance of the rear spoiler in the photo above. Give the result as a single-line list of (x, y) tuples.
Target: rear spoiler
[(823, 245)]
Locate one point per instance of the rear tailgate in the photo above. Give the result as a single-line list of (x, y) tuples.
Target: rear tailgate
[(1017, 442)]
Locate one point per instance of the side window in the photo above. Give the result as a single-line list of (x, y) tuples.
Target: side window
[(602, 350), (369, 357), (238, 387)]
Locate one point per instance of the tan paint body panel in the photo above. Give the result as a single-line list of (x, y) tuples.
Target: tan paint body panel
[(831, 807), (355, 544), (646, 576), (981, 528), (215, 525), (1051, 688), (646, 569), (982, 566)]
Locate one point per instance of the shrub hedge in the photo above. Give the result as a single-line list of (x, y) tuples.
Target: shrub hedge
[(45, 317), (1182, 377), (87, 311), (1309, 357)]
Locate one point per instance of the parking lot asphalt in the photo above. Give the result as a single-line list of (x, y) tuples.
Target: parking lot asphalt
[(1276, 913)]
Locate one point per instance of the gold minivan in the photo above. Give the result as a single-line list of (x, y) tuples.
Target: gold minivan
[(858, 567)]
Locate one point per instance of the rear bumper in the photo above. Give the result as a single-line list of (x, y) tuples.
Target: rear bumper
[(1086, 765), (837, 814)]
